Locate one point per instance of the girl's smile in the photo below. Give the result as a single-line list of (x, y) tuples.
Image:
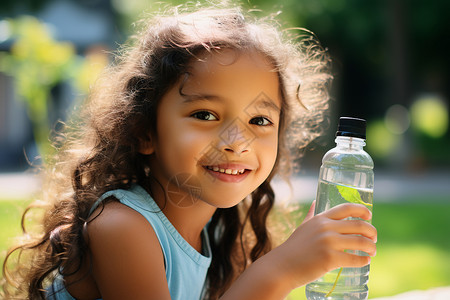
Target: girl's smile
[(229, 172), (219, 123)]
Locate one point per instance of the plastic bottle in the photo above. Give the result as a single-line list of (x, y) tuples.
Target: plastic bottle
[(346, 175)]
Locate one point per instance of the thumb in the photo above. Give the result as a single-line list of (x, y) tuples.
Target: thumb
[(310, 213)]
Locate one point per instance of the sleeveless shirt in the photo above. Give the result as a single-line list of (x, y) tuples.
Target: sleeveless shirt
[(185, 267)]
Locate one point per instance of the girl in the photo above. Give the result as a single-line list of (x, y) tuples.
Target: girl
[(164, 191)]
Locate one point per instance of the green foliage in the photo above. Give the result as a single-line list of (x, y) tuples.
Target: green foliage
[(38, 63), (351, 195)]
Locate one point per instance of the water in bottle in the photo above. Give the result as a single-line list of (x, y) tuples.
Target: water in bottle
[(346, 175)]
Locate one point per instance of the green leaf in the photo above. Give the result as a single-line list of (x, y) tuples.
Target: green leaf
[(351, 195)]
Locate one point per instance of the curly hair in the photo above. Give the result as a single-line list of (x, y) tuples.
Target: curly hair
[(98, 150)]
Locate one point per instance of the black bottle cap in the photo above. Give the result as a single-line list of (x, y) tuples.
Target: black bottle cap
[(352, 127)]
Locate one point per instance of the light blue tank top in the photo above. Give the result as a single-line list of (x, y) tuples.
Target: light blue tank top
[(185, 268)]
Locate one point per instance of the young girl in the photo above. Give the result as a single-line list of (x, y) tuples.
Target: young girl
[(164, 192)]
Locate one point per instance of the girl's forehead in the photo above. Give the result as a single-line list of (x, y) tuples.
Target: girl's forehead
[(220, 71), (226, 57)]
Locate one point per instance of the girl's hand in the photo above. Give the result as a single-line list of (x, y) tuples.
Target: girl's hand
[(317, 245)]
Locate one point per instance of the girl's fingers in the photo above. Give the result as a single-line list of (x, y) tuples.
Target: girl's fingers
[(348, 260), (310, 213), (357, 242), (347, 210), (355, 227)]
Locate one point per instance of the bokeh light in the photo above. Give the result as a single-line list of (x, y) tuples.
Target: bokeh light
[(381, 142), (397, 119), (429, 115)]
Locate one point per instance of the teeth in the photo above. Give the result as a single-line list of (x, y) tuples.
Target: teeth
[(226, 171)]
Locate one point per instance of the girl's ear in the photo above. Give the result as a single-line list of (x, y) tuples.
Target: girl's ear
[(146, 146)]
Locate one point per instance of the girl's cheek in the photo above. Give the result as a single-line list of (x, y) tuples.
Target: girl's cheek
[(268, 148)]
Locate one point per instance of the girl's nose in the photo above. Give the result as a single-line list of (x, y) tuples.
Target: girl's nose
[(238, 148), (237, 138)]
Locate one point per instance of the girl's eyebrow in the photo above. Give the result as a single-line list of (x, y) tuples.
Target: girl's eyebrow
[(199, 97), (259, 103), (266, 104)]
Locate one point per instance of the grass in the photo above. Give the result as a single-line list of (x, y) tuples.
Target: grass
[(412, 249), (10, 215)]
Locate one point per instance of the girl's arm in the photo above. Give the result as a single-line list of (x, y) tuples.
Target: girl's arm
[(316, 247), (119, 238)]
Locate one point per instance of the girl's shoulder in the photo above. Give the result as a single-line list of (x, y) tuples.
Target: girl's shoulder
[(115, 225), (120, 238), (118, 211), (115, 217)]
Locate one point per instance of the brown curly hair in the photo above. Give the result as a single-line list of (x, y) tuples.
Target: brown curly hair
[(98, 150)]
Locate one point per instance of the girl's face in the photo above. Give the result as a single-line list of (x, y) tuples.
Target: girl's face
[(217, 140)]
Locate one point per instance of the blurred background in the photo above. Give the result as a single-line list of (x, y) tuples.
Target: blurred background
[(390, 65), (389, 62)]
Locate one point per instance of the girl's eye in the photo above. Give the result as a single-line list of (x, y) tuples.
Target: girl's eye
[(204, 115), (261, 121)]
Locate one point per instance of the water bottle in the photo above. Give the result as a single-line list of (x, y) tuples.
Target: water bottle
[(346, 175)]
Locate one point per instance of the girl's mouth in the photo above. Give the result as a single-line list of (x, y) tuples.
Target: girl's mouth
[(226, 171)]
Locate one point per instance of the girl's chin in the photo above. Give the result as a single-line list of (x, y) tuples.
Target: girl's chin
[(224, 199)]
